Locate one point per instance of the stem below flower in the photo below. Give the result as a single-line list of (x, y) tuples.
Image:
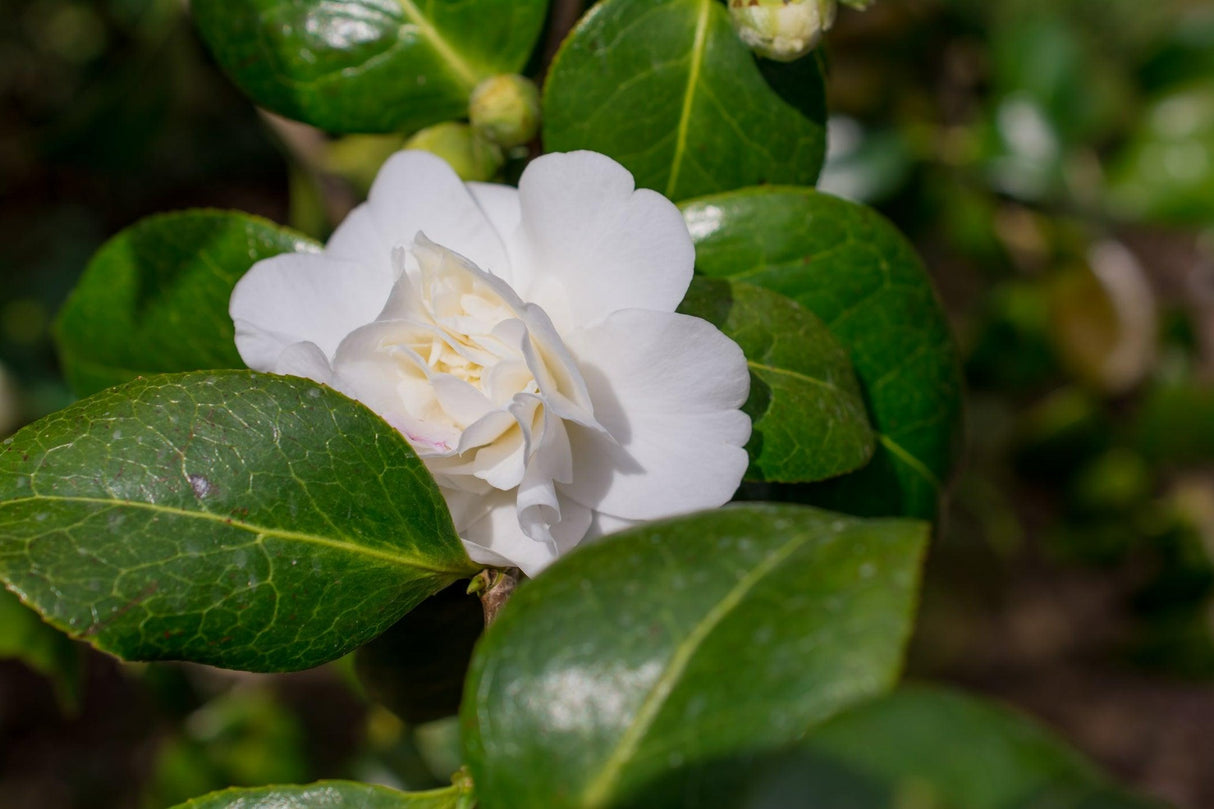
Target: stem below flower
[(495, 587), (563, 17)]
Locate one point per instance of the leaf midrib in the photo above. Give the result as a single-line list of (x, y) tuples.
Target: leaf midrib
[(693, 80), (261, 531), (904, 455), (758, 366), (463, 71), (598, 791)]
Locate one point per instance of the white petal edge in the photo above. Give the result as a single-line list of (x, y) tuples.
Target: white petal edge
[(299, 297), (500, 204), (675, 464), (305, 360), (417, 191), (595, 244), (667, 387), (659, 362)]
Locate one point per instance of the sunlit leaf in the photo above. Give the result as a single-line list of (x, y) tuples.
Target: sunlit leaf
[(809, 419), (368, 65), (331, 795), (239, 519), (650, 668), (154, 299), (850, 267), (669, 90)]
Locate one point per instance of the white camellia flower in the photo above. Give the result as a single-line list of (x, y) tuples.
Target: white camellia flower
[(525, 341)]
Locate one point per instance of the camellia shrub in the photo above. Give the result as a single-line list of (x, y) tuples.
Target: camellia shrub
[(546, 393)]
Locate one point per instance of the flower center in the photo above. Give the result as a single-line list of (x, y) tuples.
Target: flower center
[(455, 362)]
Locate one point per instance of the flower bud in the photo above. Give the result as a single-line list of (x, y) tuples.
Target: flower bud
[(506, 109), (473, 156), (358, 158), (783, 30)]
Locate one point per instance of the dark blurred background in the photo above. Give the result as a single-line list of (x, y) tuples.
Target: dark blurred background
[(1052, 159)]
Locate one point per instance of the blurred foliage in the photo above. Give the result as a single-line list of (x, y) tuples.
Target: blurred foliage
[(108, 111), (1053, 160), (242, 738)]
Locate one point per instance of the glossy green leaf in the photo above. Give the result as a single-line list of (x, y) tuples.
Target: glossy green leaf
[(368, 65), (933, 748), (668, 89), (331, 795), (625, 673), (851, 268), (154, 299), (26, 637), (239, 519), (809, 419)]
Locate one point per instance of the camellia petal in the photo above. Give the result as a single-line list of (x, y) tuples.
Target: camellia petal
[(596, 244), (305, 360), (672, 464), (499, 535), (524, 341), (500, 204), (497, 539), (300, 297), (604, 524), (418, 192), (667, 387), (358, 240), (660, 362)]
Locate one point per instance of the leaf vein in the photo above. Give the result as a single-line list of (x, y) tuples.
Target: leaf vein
[(263, 531), (693, 79), (598, 791)]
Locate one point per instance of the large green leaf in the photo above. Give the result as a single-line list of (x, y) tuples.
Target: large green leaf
[(26, 637), (155, 297), (809, 418), (239, 519), (667, 88), (331, 795), (623, 675), (850, 267), (368, 65), (935, 749)]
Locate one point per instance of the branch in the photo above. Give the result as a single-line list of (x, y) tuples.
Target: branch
[(565, 15)]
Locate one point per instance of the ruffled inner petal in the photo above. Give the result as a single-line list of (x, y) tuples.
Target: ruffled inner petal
[(497, 535)]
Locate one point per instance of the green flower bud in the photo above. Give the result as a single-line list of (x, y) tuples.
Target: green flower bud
[(506, 109), (783, 30), (473, 156), (358, 158)]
